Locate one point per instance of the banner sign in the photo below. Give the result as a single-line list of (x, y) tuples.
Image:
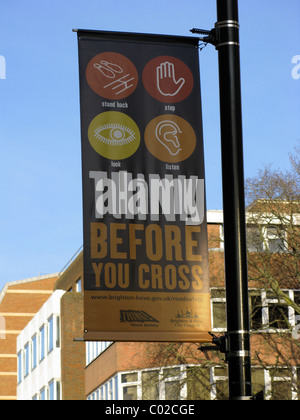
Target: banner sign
[(145, 239)]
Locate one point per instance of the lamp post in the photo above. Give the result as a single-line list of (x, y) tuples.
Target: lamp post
[(236, 342), (238, 322)]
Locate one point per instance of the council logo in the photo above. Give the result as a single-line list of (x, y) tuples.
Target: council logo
[(114, 135)]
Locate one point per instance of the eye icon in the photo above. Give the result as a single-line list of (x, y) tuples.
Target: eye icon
[(114, 135)]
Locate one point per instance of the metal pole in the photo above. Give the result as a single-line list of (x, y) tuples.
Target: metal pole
[(238, 325)]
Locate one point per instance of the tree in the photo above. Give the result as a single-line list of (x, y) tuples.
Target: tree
[(273, 233), (273, 239), (273, 229)]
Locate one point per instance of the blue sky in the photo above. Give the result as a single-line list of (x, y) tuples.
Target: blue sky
[(40, 161)]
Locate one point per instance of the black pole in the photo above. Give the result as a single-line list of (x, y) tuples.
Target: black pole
[(238, 325)]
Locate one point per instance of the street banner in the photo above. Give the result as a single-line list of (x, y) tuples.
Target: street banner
[(144, 212)]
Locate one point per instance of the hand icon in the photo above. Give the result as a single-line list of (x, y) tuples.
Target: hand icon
[(166, 80)]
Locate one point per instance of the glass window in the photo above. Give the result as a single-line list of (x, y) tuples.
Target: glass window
[(297, 297), (281, 380), (58, 390), (34, 352), (130, 392), (129, 377), (172, 390), (256, 310), (116, 388), (26, 360), (258, 380), (42, 343), (43, 394), (51, 391), (50, 334), (57, 331), (254, 239), (111, 390), (19, 367), (78, 286), (221, 383), (278, 312), (150, 385), (198, 383), (218, 299), (276, 240)]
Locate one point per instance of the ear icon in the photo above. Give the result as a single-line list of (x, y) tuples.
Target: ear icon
[(167, 133)]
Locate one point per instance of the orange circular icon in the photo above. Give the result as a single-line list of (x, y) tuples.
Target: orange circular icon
[(170, 138), (168, 79), (112, 75)]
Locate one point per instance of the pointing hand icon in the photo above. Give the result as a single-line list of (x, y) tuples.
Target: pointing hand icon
[(166, 79)]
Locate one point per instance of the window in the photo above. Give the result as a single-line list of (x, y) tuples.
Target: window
[(130, 392), (19, 367), (277, 312), (297, 297), (266, 238), (254, 239), (258, 380), (50, 334), (150, 385), (42, 343), (51, 390), (129, 377), (26, 360), (171, 378), (58, 391), (43, 394), (281, 383), (218, 301), (57, 332), (276, 240), (78, 286), (219, 384), (54, 390), (198, 383), (256, 310), (34, 352)]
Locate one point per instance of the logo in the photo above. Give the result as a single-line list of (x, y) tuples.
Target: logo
[(168, 79), (170, 138), (112, 75), (136, 316), (114, 135), (187, 314)]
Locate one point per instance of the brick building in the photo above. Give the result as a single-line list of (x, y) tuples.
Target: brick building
[(161, 371), (128, 370), (51, 360), (19, 302)]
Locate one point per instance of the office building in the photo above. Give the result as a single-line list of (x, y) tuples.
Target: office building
[(19, 302)]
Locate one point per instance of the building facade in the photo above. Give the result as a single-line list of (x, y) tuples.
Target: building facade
[(19, 302), (39, 355), (133, 371), (172, 371), (50, 355)]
